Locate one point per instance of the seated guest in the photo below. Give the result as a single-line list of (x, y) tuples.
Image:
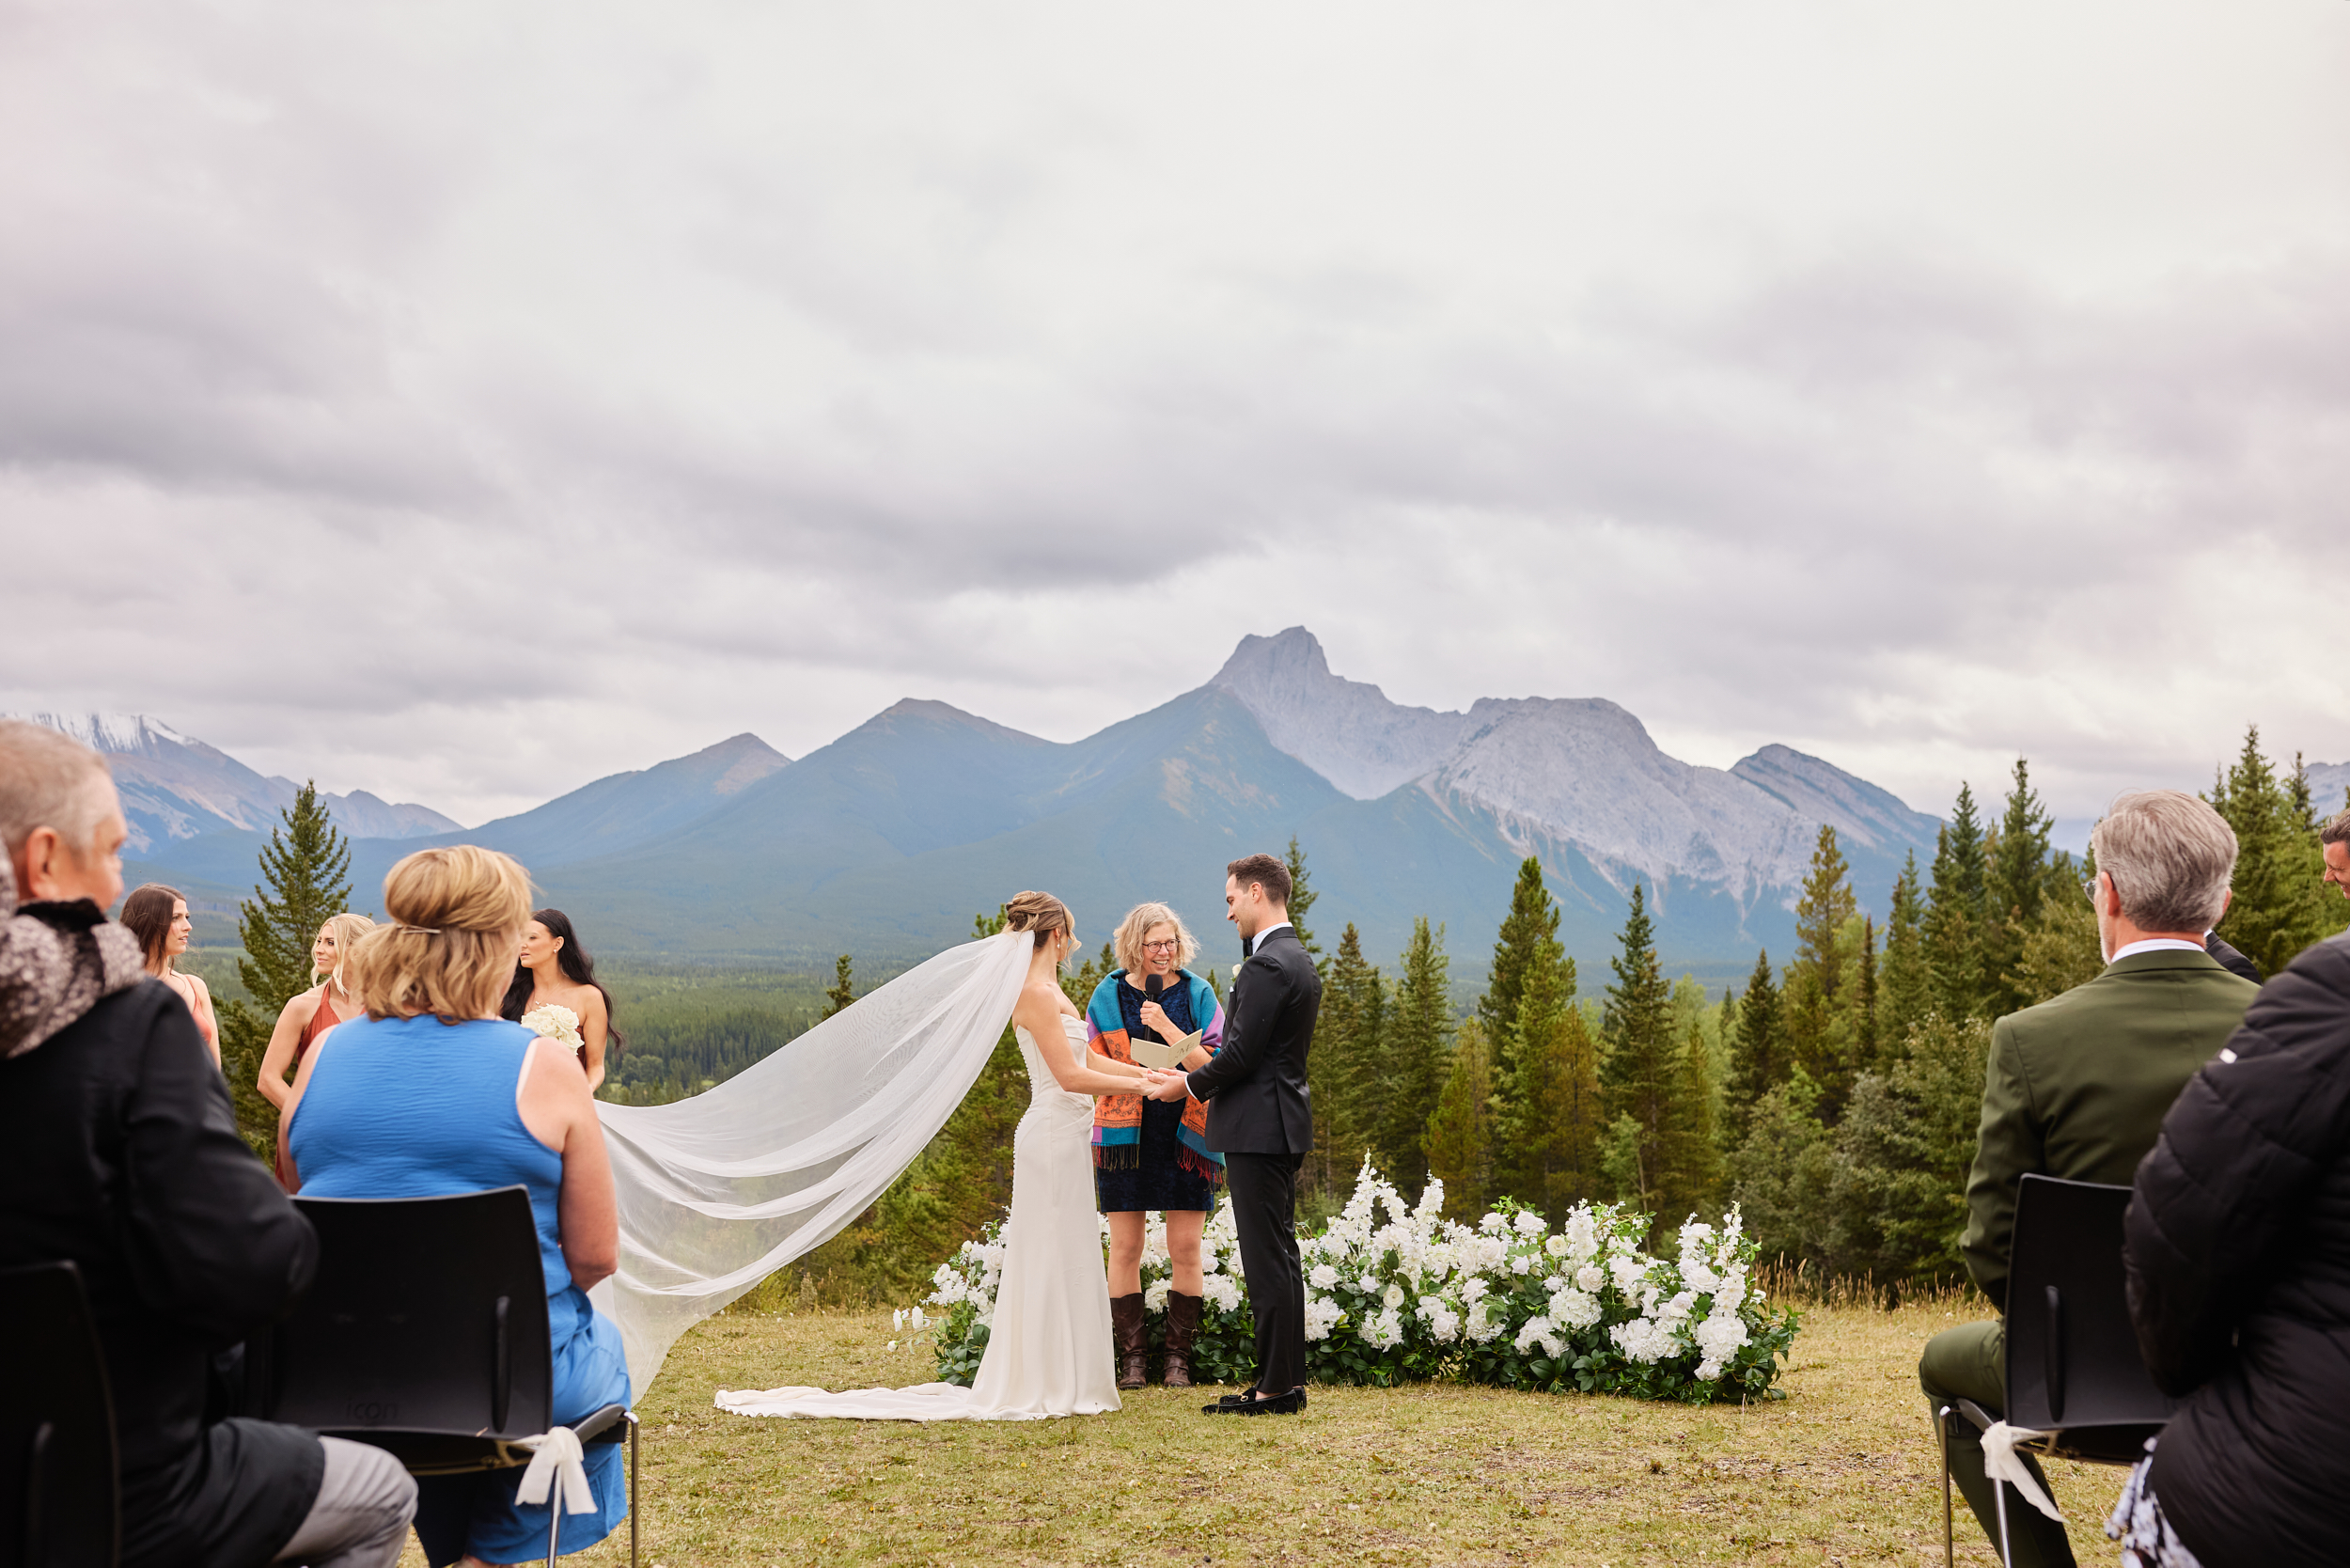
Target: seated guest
[(158, 917), (2076, 1086), (309, 1015), (124, 1159), (432, 1093), (2237, 1248)]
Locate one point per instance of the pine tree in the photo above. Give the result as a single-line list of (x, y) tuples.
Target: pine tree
[(1689, 1165), (2280, 904), (1341, 1070), (306, 865), (1417, 1055), (1302, 896), (1758, 1053), (1528, 940), (843, 990), (2015, 889), (1905, 984), (1815, 1010), (1864, 998), (1459, 1143), (1640, 1075), (1548, 1117), (1955, 912)]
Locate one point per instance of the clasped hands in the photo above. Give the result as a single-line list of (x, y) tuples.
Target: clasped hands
[(1157, 1085)]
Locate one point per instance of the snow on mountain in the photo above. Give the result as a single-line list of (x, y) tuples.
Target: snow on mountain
[(2327, 780), (1582, 772), (174, 786)]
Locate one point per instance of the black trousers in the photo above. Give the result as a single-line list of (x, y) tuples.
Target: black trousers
[(1264, 1190)]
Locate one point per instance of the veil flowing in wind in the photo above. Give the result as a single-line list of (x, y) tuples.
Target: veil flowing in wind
[(719, 1191)]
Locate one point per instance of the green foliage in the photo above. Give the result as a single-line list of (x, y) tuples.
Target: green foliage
[(2281, 903), (1528, 940), (1957, 911), (1416, 1052), (2015, 890), (844, 989), (1820, 1011), (1904, 981), (1654, 1092), (306, 865), (1547, 1116), (1459, 1143), (1758, 1054), (1342, 1068), (1302, 896), (244, 1041)]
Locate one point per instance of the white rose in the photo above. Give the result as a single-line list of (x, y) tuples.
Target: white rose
[(1529, 1224), (1392, 1296), (1591, 1277), (1556, 1246), (1323, 1277)]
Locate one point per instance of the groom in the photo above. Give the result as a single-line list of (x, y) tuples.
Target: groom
[(1260, 1119)]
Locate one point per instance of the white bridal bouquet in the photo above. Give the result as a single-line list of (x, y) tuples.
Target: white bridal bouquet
[(1506, 1301), (558, 1024)]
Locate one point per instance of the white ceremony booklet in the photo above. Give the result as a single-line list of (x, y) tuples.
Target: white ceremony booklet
[(1150, 1053)]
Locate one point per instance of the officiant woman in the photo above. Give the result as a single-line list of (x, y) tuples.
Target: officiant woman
[(1153, 1153)]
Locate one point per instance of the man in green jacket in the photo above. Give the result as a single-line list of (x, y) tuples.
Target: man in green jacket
[(2077, 1087)]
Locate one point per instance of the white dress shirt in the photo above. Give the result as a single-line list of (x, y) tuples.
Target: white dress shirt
[(2155, 944)]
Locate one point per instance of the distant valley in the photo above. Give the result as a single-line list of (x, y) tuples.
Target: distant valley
[(886, 842)]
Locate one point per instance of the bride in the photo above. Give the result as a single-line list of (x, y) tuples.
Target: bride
[(1049, 1351)]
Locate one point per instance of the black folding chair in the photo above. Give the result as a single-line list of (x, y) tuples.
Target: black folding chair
[(60, 1501), (425, 1335), (2073, 1367)]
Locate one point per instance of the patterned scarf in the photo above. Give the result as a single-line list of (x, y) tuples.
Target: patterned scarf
[(1118, 1118), (57, 959)]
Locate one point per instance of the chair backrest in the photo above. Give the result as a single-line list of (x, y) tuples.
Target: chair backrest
[(428, 1315), (59, 1503), (2072, 1352)]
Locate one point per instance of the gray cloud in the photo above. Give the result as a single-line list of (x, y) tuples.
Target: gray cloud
[(460, 406)]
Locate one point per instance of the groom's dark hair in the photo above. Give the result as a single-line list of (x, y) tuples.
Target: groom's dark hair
[(1266, 868)]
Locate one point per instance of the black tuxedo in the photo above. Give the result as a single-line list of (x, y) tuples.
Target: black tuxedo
[(2233, 961), (1261, 1119)]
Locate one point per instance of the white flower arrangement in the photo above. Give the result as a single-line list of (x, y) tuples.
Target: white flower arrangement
[(553, 1021), (1397, 1292)]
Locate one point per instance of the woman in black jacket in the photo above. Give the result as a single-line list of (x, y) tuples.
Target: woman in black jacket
[(2237, 1245)]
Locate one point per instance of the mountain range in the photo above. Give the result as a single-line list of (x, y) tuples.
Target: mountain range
[(886, 842)]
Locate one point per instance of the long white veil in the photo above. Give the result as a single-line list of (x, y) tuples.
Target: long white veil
[(718, 1191)]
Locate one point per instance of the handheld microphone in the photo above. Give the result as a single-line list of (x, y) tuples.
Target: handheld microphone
[(1152, 986)]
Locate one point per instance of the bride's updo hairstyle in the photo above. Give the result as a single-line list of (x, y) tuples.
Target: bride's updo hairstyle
[(447, 947), (1040, 912)]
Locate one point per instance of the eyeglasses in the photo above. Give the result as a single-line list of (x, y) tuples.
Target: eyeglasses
[(2088, 888), (1160, 947)]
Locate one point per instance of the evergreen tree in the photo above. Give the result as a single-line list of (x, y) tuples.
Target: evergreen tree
[(1955, 912), (1689, 1177), (1302, 896), (843, 990), (2281, 903), (2015, 889), (306, 865), (1816, 1007), (1417, 1055), (1864, 998), (1528, 940), (1827, 904), (1546, 1108), (1904, 985), (1758, 1052), (1640, 1076), (1459, 1143), (1342, 1069)]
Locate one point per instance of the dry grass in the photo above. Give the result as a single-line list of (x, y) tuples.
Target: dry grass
[(1842, 1471)]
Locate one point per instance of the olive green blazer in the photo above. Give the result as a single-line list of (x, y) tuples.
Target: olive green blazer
[(2077, 1087)]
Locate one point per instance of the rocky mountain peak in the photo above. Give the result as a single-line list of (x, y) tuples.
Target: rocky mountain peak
[(1345, 731)]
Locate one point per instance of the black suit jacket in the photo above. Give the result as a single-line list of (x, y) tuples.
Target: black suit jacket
[(1258, 1103), (2233, 961)]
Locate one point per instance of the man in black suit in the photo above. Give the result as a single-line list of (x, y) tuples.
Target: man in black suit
[(2228, 958), (1260, 1119)]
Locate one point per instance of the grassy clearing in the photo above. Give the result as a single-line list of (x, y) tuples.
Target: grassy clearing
[(1842, 1471)]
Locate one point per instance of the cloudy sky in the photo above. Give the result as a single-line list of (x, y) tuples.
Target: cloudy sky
[(462, 402)]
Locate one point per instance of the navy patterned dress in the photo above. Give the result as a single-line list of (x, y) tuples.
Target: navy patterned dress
[(1165, 1175)]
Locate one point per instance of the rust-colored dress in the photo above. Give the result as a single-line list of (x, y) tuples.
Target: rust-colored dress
[(322, 1018)]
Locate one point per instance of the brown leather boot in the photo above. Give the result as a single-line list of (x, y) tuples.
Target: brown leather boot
[(1132, 1338), (1182, 1325)]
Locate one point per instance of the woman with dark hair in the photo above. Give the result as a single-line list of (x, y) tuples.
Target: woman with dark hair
[(158, 917), (554, 970)]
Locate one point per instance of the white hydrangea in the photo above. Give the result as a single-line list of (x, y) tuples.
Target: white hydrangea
[(1627, 1273), (1539, 1330), (1154, 1296), (1573, 1308), (1321, 1315), (1720, 1338), (1223, 1289), (1444, 1323), (1555, 1282), (1474, 1290), (1591, 1278), (1582, 1235), (1485, 1322), (1323, 1277), (1385, 1331), (1644, 1340)]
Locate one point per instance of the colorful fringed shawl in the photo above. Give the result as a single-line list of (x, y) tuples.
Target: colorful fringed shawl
[(1118, 1118)]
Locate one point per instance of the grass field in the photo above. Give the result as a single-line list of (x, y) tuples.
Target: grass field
[(1842, 1471)]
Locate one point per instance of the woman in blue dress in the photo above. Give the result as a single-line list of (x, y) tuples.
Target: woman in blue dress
[(432, 1093)]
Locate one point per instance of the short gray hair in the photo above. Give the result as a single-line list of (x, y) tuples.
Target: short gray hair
[(2170, 855), (2336, 831), (50, 780)]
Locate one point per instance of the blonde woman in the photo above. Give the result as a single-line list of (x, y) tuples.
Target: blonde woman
[(1153, 1153), (432, 1093), (158, 917)]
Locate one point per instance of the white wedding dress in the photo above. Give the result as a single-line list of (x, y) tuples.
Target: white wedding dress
[(1048, 1351)]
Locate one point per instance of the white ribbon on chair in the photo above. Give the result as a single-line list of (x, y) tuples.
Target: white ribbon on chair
[(2001, 1463), (557, 1457)]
